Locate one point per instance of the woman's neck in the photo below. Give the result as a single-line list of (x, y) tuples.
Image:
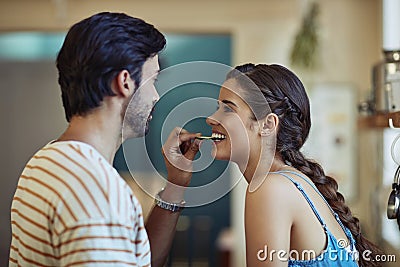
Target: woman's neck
[(256, 169)]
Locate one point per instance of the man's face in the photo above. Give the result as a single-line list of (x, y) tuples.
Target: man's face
[(139, 111)]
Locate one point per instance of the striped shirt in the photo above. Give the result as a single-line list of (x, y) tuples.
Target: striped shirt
[(72, 208)]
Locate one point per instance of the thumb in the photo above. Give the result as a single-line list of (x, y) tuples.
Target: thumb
[(192, 151)]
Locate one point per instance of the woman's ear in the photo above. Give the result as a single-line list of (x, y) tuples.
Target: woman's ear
[(269, 124), (124, 85)]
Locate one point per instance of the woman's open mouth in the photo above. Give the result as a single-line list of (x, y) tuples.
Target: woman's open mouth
[(218, 137)]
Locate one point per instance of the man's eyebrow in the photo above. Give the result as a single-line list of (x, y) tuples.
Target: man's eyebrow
[(225, 101)]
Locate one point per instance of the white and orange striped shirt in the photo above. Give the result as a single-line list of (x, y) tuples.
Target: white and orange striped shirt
[(72, 208)]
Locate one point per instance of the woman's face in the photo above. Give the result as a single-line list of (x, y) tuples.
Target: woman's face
[(233, 120)]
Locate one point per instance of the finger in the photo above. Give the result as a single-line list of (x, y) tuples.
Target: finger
[(187, 136), (192, 151), (175, 132), (185, 146), (185, 141), (173, 139)]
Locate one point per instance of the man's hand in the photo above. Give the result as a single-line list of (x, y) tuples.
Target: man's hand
[(179, 151)]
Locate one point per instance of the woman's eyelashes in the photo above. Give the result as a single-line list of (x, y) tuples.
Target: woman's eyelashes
[(224, 107), (227, 108)]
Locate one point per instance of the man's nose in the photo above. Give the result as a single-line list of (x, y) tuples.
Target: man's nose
[(156, 97)]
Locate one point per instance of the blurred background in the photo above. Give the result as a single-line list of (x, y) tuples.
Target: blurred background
[(332, 45)]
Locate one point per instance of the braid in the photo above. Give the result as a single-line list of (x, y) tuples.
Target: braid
[(328, 188), (292, 126)]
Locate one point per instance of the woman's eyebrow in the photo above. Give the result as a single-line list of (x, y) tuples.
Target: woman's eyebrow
[(225, 101)]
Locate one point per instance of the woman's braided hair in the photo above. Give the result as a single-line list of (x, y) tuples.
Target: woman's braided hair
[(287, 98)]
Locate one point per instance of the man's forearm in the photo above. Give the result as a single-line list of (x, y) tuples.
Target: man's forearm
[(161, 225)]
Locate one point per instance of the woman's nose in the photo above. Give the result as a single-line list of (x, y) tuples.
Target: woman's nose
[(211, 121)]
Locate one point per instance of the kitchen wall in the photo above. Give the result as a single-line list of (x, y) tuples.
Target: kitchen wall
[(31, 116), (261, 30)]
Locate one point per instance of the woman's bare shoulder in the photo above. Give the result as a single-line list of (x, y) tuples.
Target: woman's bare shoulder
[(269, 216), (273, 185), (274, 193)]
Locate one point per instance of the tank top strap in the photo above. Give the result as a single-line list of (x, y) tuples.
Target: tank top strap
[(300, 175), (313, 186), (301, 189)]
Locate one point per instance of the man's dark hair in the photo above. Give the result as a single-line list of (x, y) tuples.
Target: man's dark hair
[(95, 50)]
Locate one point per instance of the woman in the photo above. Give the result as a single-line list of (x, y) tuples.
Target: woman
[(293, 215)]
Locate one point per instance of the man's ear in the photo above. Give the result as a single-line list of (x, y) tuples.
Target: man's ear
[(269, 124), (124, 85)]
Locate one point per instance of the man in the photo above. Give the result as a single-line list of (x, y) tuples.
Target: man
[(71, 207)]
